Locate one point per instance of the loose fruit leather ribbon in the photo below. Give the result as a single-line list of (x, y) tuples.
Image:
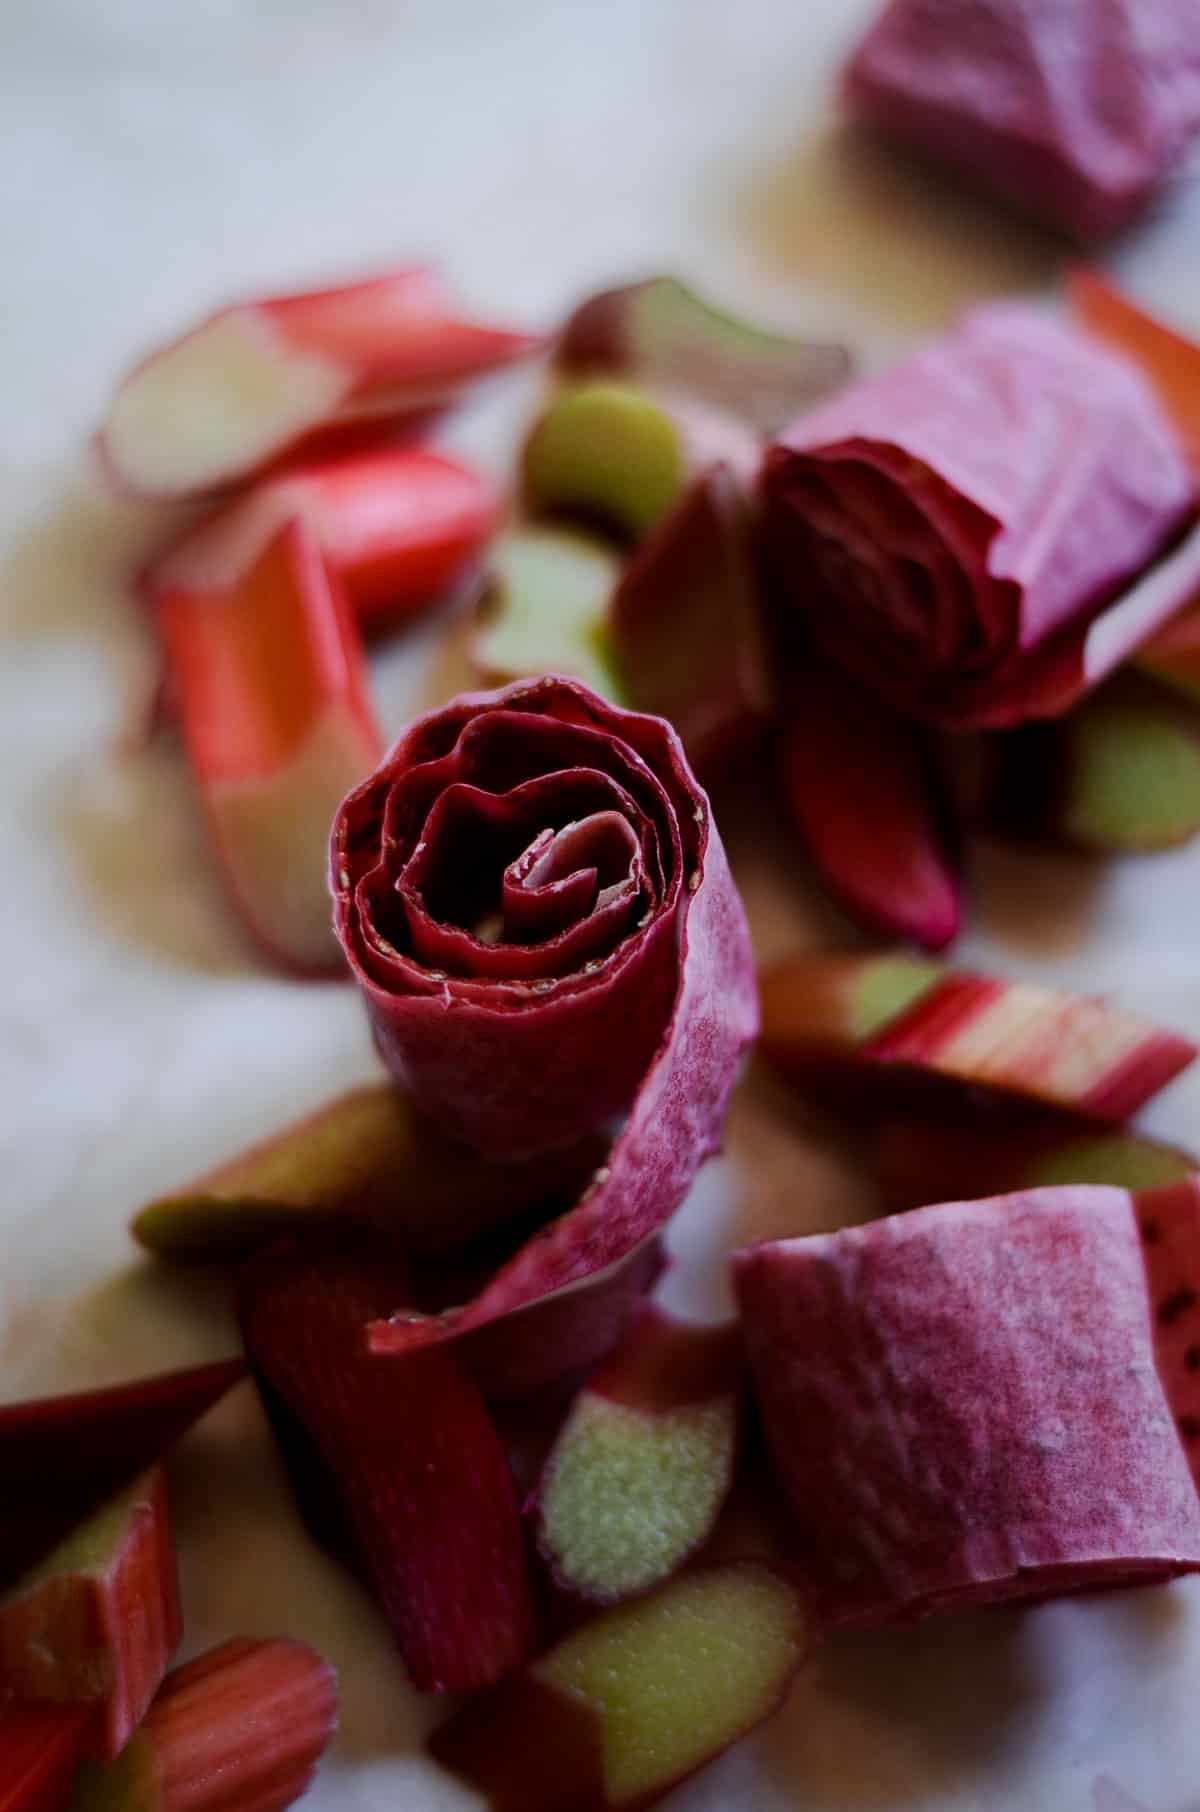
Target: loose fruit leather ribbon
[(957, 530), (535, 903)]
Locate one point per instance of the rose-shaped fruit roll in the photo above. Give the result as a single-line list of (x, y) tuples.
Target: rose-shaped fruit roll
[(537, 907), (958, 530)]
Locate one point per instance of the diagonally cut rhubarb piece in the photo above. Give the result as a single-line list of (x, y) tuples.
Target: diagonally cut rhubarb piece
[(40, 1746), (368, 1154), (1170, 360), (97, 1620), (271, 689), (409, 1451), (919, 1025), (217, 405), (240, 1729), (644, 1460), (863, 791), (545, 609), (635, 1700), (400, 526), (686, 624), (661, 332), (621, 455)]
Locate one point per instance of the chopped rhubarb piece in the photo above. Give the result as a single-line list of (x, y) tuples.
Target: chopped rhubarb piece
[(645, 1458), (659, 332), (367, 1155), (240, 1729), (545, 609), (1173, 655), (635, 1700), (399, 526), (864, 793), (916, 1023), (408, 1451), (686, 624), (271, 688), (216, 406), (96, 1621), (1032, 1349), (970, 532), (622, 456), (40, 1745), (1168, 359)]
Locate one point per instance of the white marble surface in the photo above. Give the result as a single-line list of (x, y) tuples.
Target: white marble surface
[(160, 157)]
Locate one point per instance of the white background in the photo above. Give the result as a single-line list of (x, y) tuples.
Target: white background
[(159, 158)]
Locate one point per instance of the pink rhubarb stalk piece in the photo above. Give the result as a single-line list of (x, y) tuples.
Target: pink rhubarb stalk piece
[(97, 1620), (404, 1451), (686, 624), (970, 532), (1033, 1349), (912, 1021), (635, 1700), (644, 1461), (1169, 360), (272, 694), (537, 908), (863, 791), (399, 526), (240, 1729), (40, 1745), (216, 406), (1077, 113)]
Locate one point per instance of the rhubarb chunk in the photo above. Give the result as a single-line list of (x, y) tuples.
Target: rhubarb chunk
[(634, 1701), (408, 1453), (686, 624), (228, 398), (40, 1745), (367, 1155), (271, 689), (911, 1023), (644, 1460), (660, 332), (1032, 1349), (546, 609), (1173, 655), (96, 1621), (240, 1729)]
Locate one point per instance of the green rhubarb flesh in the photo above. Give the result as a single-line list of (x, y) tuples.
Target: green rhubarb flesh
[(885, 986), (1118, 1158), (1133, 773), (90, 1549), (547, 609), (606, 450)]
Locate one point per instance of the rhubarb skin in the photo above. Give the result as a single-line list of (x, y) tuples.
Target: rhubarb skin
[(271, 688), (686, 624), (1168, 359), (400, 526), (97, 1620), (644, 1461), (370, 1156), (410, 1455), (635, 1700), (227, 399), (914, 1027), (240, 1729), (40, 1745), (862, 789)]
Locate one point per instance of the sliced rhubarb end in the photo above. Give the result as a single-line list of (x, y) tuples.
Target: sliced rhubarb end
[(839, 1002), (40, 1745), (98, 1619), (545, 609), (1169, 360), (607, 451)]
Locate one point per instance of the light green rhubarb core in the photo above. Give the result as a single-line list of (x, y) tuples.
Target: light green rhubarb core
[(677, 1677), (130, 1784), (547, 611), (89, 1549), (885, 986), (630, 1493), (1116, 1158), (1133, 779), (667, 311), (607, 450)]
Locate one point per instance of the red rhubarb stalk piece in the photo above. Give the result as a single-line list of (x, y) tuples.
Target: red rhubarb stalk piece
[(400, 527), (229, 397), (271, 689), (96, 1621), (409, 1452), (863, 791), (240, 1729), (635, 1700), (40, 1745), (686, 624), (644, 1460), (908, 1021)]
